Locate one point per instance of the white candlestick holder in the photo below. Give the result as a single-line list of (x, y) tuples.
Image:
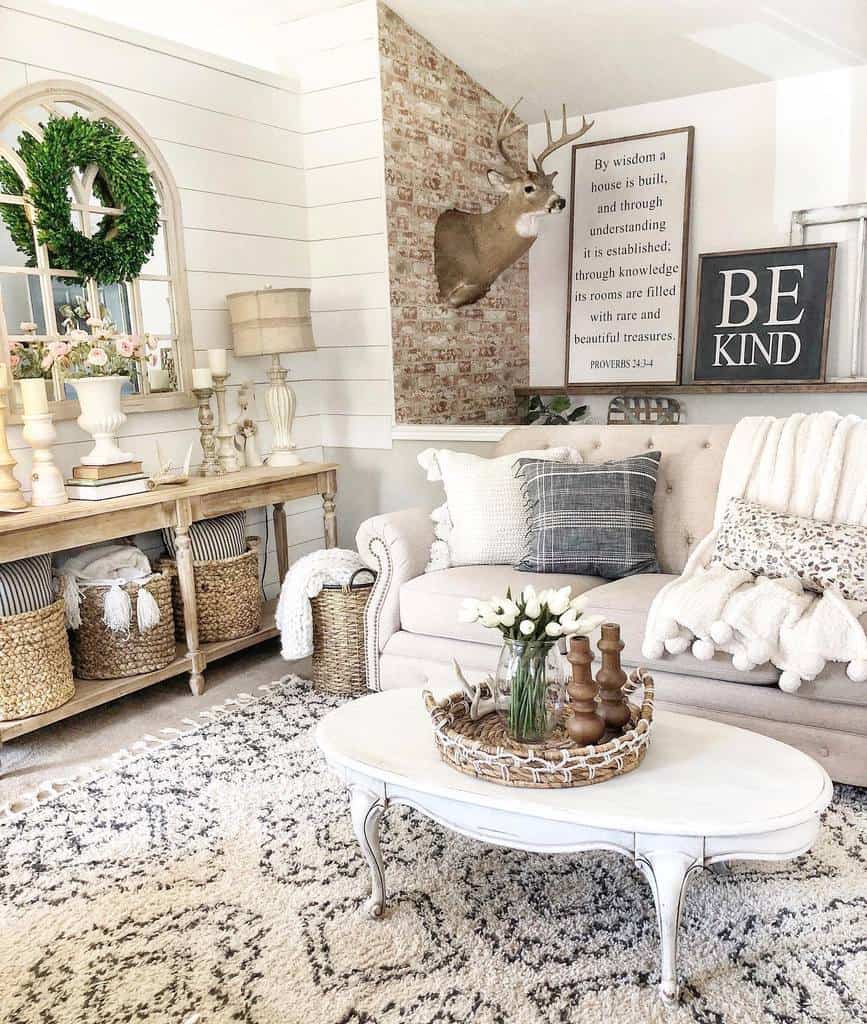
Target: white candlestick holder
[(11, 498), (227, 454), (46, 480)]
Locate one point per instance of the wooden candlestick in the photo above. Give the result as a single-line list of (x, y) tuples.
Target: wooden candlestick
[(611, 677), (585, 725), (11, 498), (210, 462)]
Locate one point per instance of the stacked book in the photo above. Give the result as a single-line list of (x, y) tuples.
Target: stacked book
[(97, 483)]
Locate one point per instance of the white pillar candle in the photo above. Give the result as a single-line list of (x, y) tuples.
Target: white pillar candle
[(34, 396), (158, 379), (202, 377), (218, 362)]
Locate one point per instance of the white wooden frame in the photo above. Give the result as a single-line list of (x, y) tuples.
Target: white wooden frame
[(49, 95), (846, 214)]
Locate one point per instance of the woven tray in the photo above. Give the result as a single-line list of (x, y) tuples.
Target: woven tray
[(483, 748)]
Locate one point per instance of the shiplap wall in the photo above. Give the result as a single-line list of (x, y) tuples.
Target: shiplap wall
[(234, 139), (335, 57)]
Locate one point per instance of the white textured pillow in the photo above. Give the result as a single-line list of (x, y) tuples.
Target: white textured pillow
[(483, 521)]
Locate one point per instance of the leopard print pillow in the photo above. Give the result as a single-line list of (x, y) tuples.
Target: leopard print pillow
[(768, 543)]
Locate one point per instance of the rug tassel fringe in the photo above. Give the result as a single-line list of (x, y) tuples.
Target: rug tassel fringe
[(148, 744)]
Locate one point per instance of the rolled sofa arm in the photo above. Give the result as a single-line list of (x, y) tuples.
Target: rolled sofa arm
[(397, 546)]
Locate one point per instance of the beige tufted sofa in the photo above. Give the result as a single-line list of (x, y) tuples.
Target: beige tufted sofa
[(413, 632)]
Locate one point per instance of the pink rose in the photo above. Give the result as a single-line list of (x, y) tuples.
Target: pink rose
[(14, 346), (97, 356), (14, 360), (127, 347), (47, 361), (58, 349), (78, 336)]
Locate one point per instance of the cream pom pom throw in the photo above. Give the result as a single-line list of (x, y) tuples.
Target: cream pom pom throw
[(807, 465)]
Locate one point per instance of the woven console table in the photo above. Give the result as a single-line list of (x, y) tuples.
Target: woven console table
[(46, 530)]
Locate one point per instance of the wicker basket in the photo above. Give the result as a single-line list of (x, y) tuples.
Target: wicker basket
[(338, 637), (484, 749), (35, 666), (98, 653), (228, 598)]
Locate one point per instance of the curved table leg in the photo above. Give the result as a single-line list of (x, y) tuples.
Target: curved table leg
[(366, 808), (667, 872)]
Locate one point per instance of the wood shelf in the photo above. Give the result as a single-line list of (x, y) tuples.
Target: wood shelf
[(838, 387), (91, 693)]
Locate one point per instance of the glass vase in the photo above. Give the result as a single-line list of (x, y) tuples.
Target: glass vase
[(530, 689)]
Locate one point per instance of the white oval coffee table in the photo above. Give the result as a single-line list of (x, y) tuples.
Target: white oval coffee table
[(706, 793)]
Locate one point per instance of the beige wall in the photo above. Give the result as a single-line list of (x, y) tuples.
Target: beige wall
[(370, 482)]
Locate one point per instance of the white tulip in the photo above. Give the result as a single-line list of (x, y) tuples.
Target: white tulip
[(533, 609), (569, 623), (558, 600), (469, 610), (489, 618), (589, 623), (579, 602), (543, 595), (554, 629), (527, 627), (509, 607), (529, 593), (507, 620)]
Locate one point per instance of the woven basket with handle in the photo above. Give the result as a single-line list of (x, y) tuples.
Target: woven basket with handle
[(228, 598), (99, 653), (35, 666), (338, 637)]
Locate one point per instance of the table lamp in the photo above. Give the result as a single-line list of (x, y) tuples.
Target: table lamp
[(270, 322)]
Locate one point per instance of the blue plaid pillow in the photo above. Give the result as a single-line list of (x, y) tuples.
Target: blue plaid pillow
[(592, 520)]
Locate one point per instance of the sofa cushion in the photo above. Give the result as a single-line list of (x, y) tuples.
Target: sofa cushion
[(430, 603), (627, 601), (595, 520)]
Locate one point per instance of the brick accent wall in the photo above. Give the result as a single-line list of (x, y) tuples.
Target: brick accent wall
[(450, 366)]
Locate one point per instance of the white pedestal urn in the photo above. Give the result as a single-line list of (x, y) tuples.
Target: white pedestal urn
[(101, 417)]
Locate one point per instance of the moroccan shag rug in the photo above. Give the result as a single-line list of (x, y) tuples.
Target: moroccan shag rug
[(216, 878)]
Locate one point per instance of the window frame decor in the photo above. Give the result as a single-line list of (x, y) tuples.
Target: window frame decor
[(49, 96), (849, 213)]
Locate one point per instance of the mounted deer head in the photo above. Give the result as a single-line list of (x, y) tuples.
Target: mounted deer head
[(473, 249)]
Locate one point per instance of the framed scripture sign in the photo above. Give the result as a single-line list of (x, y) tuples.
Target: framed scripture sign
[(764, 315), (629, 237)]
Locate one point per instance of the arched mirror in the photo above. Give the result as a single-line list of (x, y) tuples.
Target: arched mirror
[(40, 301)]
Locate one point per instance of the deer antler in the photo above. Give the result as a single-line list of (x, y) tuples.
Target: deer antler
[(564, 139), (502, 135)]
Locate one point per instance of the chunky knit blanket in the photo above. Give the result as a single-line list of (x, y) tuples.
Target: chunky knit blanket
[(305, 579), (813, 466)]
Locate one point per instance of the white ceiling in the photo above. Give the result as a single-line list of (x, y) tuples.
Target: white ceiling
[(591, 54), (599, 54)]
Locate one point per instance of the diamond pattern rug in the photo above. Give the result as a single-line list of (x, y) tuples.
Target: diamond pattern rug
[(216, 878)]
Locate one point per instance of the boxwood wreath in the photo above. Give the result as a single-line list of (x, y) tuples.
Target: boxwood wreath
[(121, 245)]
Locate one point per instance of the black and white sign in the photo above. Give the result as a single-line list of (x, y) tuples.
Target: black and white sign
[(627, 262), (764, 314)]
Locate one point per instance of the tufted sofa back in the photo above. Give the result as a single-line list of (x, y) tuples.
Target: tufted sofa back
[(689, 473)]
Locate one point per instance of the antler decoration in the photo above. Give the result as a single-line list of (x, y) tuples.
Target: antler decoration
[(564, 140), (502, 135), (479, 705)]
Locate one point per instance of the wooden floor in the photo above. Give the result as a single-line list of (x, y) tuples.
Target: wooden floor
[(90, 693)]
